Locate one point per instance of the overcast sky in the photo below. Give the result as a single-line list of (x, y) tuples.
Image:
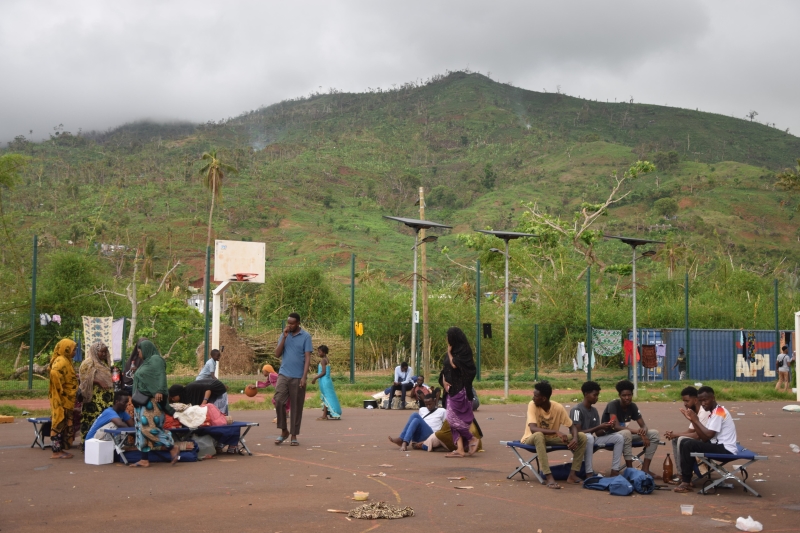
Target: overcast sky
[(95, 65)]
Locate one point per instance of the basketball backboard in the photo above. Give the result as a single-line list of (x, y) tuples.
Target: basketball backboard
[(239, 257)]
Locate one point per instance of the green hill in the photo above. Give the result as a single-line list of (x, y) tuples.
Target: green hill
[(316, 175)]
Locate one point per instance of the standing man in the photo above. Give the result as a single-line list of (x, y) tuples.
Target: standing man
[(294, 349), (210, 368), (783, 363), (691, 403), (587, 420), (681, 364), (402, 382)]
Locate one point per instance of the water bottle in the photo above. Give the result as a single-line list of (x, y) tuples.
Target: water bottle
[(115, 377)]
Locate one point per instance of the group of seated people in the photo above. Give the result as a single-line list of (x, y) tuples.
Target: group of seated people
[(209, 393), (711, 430), (405, 383)]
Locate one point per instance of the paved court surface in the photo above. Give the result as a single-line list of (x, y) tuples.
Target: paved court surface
[(290, 488)]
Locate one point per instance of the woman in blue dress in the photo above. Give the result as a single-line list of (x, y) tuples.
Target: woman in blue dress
[(331, 410)]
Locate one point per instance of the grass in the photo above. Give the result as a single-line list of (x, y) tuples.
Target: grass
[(10, 410)]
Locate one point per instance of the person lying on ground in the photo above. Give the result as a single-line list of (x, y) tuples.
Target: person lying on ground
[(421, 425), (586, 419), (716, 435), (543, 429), (621, 413), (690, 402), (201, 392), (442, 440), (111, 418), (402, 382)]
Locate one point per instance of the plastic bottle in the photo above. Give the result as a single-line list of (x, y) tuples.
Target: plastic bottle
[(667, 475)]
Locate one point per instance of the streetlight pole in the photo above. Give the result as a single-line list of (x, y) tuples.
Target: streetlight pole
[(505, 336), (633, 243), (506, 236), (414, 307)]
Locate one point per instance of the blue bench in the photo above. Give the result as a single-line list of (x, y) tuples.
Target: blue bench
[(41, 429), (716, 463), (516, 445), (230, 435)]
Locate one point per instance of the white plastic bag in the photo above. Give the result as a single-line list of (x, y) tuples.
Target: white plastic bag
[(748, 524)]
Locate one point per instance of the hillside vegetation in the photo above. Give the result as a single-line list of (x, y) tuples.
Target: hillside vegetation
[(316, 174)]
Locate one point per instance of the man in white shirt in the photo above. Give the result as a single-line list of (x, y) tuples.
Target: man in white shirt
[(716, 435), (691, 402), (422, 425), (402, 382)]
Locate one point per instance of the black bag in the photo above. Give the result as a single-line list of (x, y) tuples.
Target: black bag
[(139, 399)]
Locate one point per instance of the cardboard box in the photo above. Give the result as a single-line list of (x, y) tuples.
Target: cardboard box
[(4, 419), (99, 452)]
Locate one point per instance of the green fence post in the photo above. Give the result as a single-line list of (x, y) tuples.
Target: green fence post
[(478, 317), (205, 303), (33, 313), (686, 322), (352, 318), (536, 352), (589, 322)]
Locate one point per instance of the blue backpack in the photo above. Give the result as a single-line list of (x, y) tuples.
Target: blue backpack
[(642, 483), (617, 485)]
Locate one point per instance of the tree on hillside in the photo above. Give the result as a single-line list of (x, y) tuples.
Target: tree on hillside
[(213, 172), (578, 232), (789, 180), (10, 167), (751, 115), (666, 207)]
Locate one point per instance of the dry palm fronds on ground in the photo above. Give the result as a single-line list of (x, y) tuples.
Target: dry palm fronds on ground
[(375, 510)]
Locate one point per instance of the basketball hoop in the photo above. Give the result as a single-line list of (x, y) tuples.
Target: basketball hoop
[(243, 276)]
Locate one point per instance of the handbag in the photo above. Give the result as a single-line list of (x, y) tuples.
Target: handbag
[(139, 399)]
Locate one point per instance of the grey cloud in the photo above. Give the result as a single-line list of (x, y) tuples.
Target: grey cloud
[(98, 64)]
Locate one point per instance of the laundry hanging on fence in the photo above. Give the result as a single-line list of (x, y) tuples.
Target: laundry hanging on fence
[(661, 351), (487, 331), (649, 358), (582, 359), (627, 346), (605, 342), (117, 329), (98, 329)]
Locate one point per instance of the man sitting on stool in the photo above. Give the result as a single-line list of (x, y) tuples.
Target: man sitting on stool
[(622, 412), (402, 382), (717, 434), (692, 403), (586, 419), (543, 429)]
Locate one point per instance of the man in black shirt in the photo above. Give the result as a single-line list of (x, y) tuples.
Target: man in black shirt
[(621, 413), (200, 392)]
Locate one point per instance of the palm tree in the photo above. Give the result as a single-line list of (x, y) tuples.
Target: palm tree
[(213, 172)]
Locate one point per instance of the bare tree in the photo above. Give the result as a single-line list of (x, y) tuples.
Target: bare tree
[(751, 115)]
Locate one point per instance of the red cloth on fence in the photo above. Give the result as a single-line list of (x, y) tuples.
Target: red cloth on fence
[(627, 347)]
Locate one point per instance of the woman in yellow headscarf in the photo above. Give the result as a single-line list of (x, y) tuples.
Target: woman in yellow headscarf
[(63, 389)]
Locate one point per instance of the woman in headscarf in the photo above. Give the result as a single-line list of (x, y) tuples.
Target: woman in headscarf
[(456, 378), (97, 387), (151, 380), (63, 390)]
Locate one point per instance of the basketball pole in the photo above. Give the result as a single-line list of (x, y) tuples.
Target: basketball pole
[(216, 313)]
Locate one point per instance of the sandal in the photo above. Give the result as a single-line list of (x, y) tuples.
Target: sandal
[(280, 440), (682, 489), (294, 443), (553, 485)]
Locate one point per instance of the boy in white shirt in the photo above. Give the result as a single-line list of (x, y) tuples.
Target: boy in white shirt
[(422, 425), (716, 434)]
